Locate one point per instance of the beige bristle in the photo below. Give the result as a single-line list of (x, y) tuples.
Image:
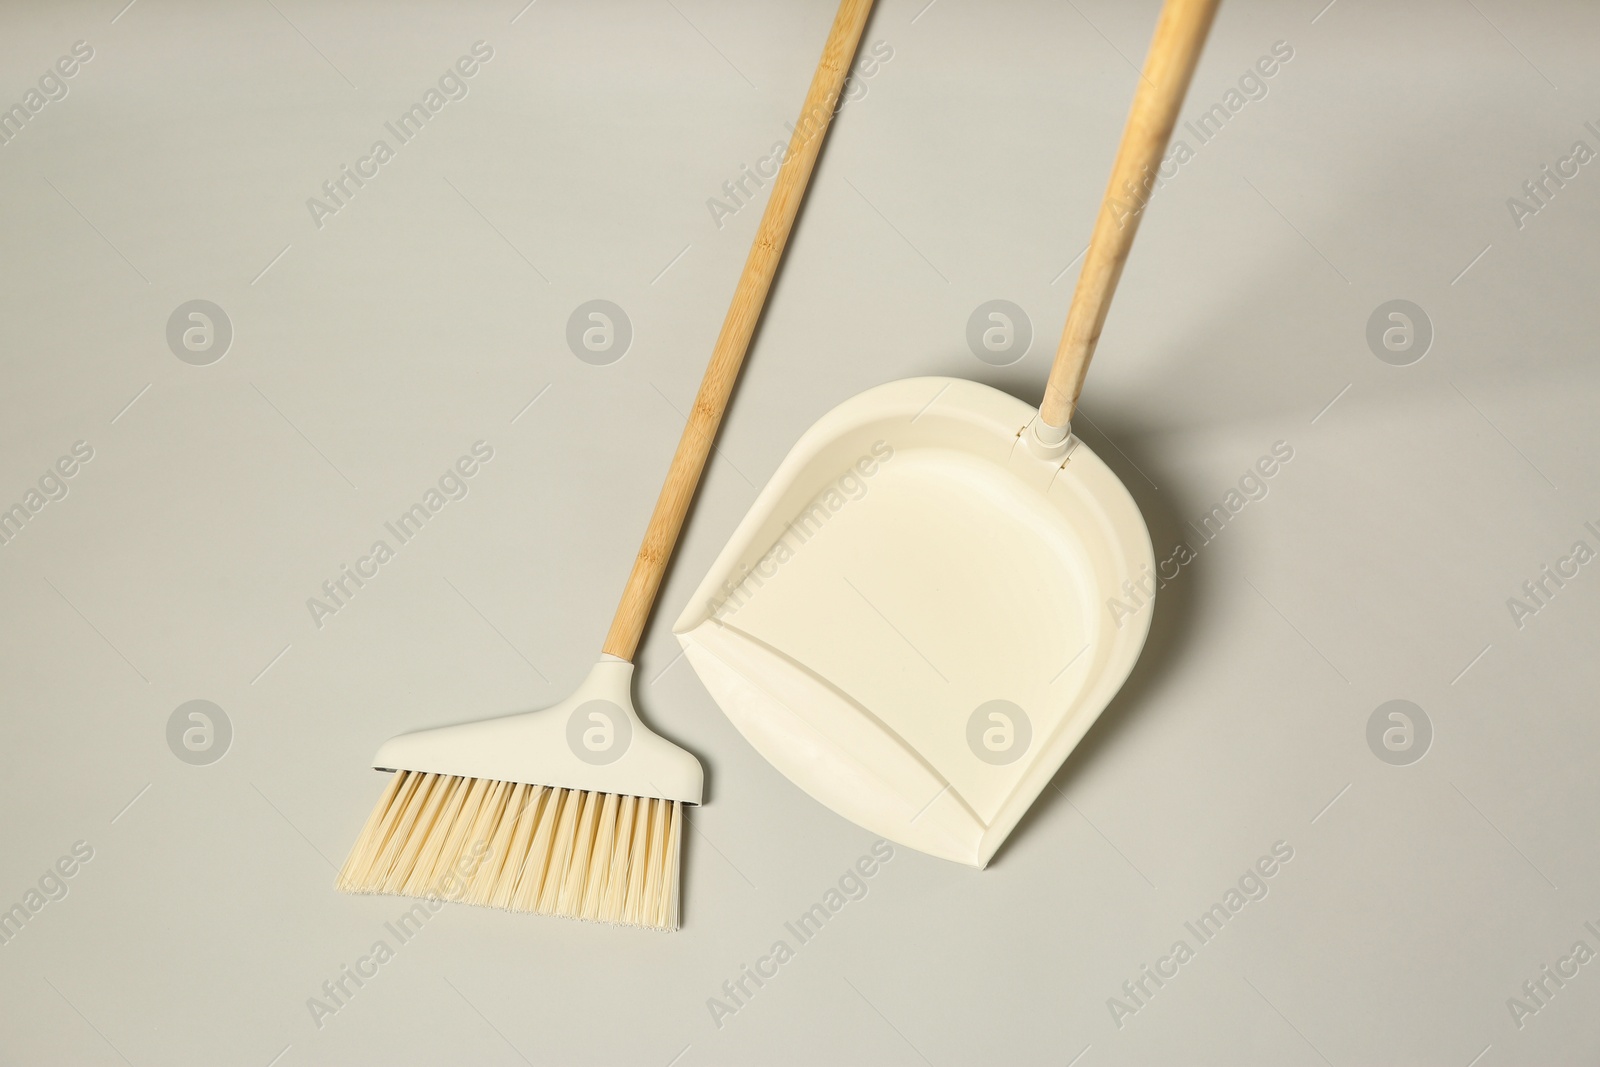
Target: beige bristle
[(654, 872), (614, 899), (516, 858), (667, 913), (555, 868), (420, 877), (536, 860), (412, 828), (598, 856), (470, 810), (377, 829), (638, 860), (571, 899), (489, 817), (388, 839), (504, 821)]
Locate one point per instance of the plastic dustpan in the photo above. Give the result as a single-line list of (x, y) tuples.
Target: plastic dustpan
[(911, 621)]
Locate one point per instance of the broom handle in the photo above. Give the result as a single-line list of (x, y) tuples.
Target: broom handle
[(1174, 51), (748, 297)]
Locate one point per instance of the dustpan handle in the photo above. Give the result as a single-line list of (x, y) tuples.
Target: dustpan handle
[(1174, 51), (748, 298)]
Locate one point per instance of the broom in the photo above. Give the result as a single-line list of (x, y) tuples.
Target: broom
[(577, 809)]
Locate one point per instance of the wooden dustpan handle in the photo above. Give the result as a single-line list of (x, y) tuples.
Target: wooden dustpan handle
[(748, 298), (1174, 51)]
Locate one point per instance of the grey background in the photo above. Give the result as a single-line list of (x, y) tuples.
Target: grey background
[(369, 354)]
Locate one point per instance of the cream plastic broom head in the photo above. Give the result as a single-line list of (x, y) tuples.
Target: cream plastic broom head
[(594, 740)]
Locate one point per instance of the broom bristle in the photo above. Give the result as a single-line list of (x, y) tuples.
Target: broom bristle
[(551, 851)]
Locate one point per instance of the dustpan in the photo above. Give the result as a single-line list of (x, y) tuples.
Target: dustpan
[(912, 621)]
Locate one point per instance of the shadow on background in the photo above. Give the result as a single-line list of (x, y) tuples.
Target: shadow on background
[(1177, 607)]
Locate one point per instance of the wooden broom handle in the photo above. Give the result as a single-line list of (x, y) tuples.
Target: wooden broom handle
[(1174, 51), (748, 297)]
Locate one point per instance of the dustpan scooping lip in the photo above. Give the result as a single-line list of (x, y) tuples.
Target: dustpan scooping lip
[(912, 621)]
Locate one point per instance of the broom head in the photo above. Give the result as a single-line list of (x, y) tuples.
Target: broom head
[(575, 810)]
